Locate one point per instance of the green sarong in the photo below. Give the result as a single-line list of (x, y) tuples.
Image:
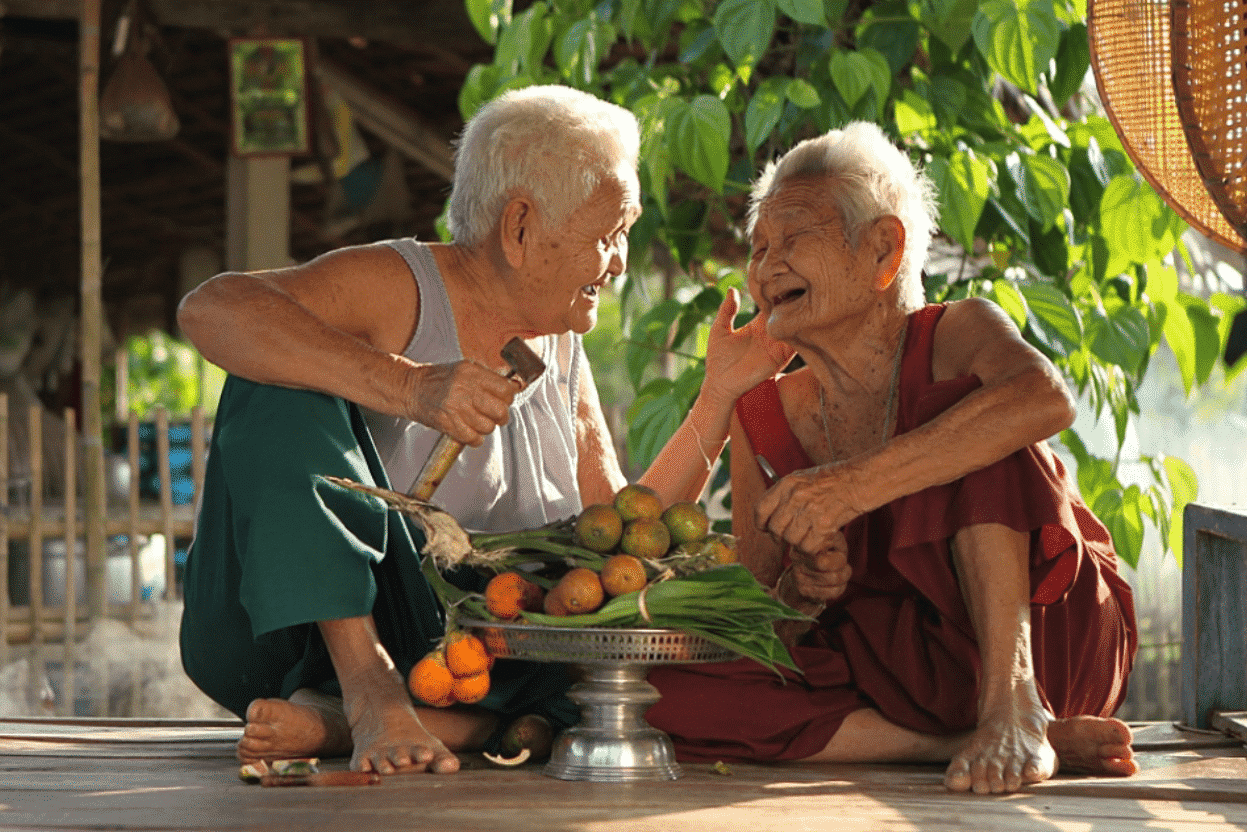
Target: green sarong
[(277, 549)]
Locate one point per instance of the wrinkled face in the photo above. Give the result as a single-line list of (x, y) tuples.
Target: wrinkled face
[(576, 258), (802, 272)]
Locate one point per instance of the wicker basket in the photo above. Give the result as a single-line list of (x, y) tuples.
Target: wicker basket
[(1138, 49), (1210, 88)]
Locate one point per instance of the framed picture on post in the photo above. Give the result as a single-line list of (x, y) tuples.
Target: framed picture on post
[(268, 96)]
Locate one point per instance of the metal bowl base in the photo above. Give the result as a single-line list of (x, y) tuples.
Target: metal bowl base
[(613, 743)]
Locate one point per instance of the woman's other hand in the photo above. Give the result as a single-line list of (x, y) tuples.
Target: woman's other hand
[(822, 576), (807, 509)]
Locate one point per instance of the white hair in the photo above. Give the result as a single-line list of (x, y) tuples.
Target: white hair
[(554, 143), (869, 178)]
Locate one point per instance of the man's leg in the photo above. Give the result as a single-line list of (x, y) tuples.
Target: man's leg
[(374, 721)]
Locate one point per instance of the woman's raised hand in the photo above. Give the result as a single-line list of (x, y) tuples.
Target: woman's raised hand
[(737, 360), (464, 399)]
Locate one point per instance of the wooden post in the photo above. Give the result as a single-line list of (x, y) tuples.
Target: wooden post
[(166, 500), (136, 579), (69, 686), (92, 307), (4, 530), (257, 212), (38, 663)]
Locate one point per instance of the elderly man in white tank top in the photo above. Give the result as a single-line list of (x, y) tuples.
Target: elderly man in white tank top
[(305, 608)]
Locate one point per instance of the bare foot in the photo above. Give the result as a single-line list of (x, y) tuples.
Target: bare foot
[(1093, 745), (1004, 758), (309, 724), (387, 732), (1006, 750)]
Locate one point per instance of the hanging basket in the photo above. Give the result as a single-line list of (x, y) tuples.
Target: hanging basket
[(1210, 89), (1132, 55)]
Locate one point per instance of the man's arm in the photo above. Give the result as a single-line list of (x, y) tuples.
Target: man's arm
[(332, 325), (339, 325), (1022, 400)]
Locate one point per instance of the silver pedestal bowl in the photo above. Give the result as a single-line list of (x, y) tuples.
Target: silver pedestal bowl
[(612, 743)]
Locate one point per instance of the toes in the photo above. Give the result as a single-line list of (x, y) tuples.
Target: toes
[(957, 776), (445, 764)]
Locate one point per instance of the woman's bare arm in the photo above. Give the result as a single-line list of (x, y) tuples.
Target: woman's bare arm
[(1022, 400)]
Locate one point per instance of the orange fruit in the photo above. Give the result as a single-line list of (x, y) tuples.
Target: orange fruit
[(722, 547), (470, 689), (430, 680), (622, 574), (580, 591), (646, 538), (554, 604), (598, 527), (636, 501), (465, 654), (509, 593), (687, 521)]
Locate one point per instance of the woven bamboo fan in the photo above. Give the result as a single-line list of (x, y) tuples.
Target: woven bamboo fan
[(1133, 47)]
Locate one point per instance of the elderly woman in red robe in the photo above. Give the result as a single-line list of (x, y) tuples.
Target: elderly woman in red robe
[(968, 606)]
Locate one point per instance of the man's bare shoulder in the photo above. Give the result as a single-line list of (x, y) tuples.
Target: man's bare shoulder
[(366, 290)]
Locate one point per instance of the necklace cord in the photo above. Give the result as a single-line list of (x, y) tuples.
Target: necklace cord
[(888, 415)]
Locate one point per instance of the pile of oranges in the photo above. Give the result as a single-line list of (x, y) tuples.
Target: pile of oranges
[(618, 547), (457, 671), (627, 540)]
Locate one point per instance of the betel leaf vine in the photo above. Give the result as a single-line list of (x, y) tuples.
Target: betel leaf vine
[(1039, 203)]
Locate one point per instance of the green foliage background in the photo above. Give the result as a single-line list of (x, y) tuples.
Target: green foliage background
[(985, 94)]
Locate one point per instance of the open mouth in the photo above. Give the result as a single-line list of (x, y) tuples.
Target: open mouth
[(590, 290), (787, 297)]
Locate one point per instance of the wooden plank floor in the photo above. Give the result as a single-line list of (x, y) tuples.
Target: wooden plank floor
[(181, 775)]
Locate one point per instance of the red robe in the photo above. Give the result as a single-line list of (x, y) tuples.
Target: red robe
[(900, 639)]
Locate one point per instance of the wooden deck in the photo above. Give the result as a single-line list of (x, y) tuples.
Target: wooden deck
[(171, 774)]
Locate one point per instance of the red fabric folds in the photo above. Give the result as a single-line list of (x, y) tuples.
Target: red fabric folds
[(900, 639)]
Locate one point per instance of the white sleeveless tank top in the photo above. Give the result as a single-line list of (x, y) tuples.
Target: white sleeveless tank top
[(524, 474)]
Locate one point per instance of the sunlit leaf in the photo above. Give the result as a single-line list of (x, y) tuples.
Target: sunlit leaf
[(1054, 312), (914, 114), (1011, 301), (1180, 336), (488, 16), (764, 111), (698, 140), (963, 183), (855, 72), (949, 20), (1122, 338), (812, 12), (1018, 38), (744, 28), (1044, 186)]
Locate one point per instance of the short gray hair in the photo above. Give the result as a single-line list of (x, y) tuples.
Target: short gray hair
[(553, 142), (877, 179)]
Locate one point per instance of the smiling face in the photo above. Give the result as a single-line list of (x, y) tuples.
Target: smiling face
[(572, 261), (802, 272)]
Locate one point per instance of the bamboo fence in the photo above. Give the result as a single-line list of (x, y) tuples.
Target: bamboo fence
[(48, 629)]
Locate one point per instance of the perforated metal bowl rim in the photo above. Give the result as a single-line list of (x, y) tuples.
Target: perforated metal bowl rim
[(562, 643)]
